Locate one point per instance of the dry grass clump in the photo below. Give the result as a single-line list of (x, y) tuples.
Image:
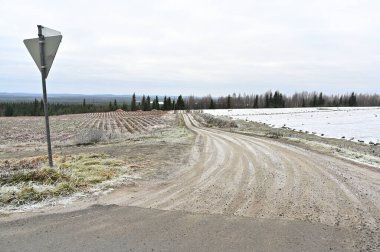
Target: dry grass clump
[(46, 176), (210, 120), (23, 164), (276, 134), (89, 136), (70, 174)]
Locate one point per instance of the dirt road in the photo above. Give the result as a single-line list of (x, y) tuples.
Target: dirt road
[(235, 176), (240, 175)]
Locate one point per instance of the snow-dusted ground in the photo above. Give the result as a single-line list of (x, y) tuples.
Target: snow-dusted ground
[(355, 123)]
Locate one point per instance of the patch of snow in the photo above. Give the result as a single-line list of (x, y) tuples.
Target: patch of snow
[(351, 123)]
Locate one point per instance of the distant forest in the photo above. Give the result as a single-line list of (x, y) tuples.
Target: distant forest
[(279, 100), (267, 100)]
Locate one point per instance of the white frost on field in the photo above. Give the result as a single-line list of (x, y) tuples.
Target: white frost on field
[(352, 123)]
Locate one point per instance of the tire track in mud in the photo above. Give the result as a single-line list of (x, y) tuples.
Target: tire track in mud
[(236, 174)]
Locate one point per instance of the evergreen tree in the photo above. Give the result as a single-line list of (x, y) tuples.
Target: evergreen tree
[(313, 102), (229, 105), (266, 100), (180, 103), (278, 101), (352, 100), (148, 107), (164, 106), (270, 100), (143, 103), (169, 103), (156, 104), (115, 106), (321, 101), (133, 103), (256, 102), (212, 106), (42, 107)]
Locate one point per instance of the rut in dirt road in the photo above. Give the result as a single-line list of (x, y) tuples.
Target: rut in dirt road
[(235, 174)]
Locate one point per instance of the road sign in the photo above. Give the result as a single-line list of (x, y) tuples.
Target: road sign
[(47, 32), (51, 48), (43, 50)]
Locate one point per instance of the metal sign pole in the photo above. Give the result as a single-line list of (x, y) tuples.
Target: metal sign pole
[(41, 40)]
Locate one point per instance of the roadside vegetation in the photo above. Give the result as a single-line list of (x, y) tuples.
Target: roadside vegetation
[(208, 120), (31, 180)]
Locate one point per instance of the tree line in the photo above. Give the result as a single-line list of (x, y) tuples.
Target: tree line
[(278, 100), (36, 108), (148, 104), (267, 100)]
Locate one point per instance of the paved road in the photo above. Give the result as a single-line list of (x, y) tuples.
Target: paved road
[(115, 228), (294, 200)]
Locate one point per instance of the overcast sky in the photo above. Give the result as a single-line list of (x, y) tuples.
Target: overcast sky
[(195, 47)]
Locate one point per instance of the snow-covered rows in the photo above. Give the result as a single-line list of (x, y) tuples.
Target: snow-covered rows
[(352, 123)]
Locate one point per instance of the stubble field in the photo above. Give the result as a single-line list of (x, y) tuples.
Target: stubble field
[(24, 132), (92, 152)]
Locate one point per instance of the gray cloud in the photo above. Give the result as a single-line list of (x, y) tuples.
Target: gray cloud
[(196, 47)]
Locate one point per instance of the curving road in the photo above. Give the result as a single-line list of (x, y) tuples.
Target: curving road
[(300, 201), (241, 175)]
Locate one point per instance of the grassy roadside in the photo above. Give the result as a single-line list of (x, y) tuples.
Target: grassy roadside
[(31, 180), (357, 152)]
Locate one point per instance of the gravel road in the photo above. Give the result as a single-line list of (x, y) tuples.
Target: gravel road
[(234, 174), (334, 203)]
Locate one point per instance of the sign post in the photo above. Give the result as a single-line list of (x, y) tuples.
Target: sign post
[(43, 50)]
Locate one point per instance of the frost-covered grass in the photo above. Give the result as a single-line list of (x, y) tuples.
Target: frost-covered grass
[(209, 121), (37, 181), (352, 123)]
